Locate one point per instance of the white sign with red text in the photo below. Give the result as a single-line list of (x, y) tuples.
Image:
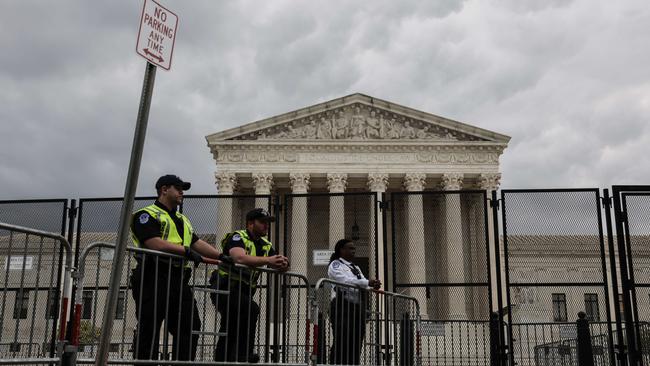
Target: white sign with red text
[(157, 34)]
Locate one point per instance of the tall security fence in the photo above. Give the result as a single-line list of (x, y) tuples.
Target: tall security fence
[(313, 223), (48, 215), (34, 297), (632, 221), (555, 266), (522, 277), (441, 257)]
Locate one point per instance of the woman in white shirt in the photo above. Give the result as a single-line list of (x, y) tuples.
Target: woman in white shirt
[(347, 309)]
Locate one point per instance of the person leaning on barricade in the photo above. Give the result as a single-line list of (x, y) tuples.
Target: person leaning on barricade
[(236, 286), (160, 285), (348, 308)]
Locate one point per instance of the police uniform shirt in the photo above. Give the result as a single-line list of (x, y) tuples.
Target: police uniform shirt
[(341, 270), (236, 241), (145, 227)]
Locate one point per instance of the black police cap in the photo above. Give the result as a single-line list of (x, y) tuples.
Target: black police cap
[(172, 180), (259, 214)]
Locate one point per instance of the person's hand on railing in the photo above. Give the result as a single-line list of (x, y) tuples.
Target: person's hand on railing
[(197, 258), (375, 284), (279, 262), (226, 259)]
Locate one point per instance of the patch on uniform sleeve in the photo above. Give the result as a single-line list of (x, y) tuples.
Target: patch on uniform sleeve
[(236, 237), (336, 265), (144, 218)]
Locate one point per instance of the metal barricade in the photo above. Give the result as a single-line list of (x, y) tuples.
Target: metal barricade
[(171, 312), (359, 326), (33, 305)]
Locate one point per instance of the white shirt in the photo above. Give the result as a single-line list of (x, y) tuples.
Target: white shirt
[(341, 270)]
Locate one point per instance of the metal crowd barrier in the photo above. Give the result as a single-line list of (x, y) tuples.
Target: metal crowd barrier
[(35, 277), (203, 319), (359, 326)]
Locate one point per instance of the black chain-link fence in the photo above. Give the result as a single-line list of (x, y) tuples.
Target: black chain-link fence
[(555, 266), (554, 258), (441, 257), (48, 215), (313, 223), (632, 219)]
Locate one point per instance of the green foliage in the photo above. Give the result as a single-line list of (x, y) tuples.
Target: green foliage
[(88, 334)]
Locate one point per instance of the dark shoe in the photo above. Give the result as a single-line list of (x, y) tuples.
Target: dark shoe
[(253, 358)]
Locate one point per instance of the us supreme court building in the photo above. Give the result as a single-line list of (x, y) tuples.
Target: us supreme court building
[(369, 169)]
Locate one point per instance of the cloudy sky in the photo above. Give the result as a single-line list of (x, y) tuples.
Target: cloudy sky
[(568, 80)]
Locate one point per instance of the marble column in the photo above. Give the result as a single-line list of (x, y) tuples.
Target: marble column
[(377, 184), (417, 266), (457, 305), (336, 183), (226, 183), (490, 182), (298, 251), (262, 182)]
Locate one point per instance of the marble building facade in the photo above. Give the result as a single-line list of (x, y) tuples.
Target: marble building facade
[(356, 143)]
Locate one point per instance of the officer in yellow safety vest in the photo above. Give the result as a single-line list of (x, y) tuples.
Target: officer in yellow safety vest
[(160, 285), (235, 286)]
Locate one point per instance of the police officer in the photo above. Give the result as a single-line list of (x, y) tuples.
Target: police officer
[(236, 286), (160, 285), (348, 308)]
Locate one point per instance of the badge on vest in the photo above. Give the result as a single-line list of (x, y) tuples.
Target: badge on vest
[(236, 237), (336, 265), (144, 218)]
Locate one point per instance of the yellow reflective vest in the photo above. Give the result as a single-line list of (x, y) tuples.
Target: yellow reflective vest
[(168, 229), (247, 276)]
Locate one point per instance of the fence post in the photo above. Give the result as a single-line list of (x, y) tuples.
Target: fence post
[(585, 353), (406, 340), (495, 346), (319, 333)]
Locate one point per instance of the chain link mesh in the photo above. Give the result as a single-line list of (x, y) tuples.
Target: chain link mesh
[(556, 267)]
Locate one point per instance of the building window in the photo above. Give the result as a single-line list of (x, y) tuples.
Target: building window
[(114, 347), (121, 299), (52, 304), (591, 307), (559, 307), (21, 304), (87, 298)]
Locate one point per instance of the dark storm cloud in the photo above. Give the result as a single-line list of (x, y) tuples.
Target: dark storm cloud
[(568, 80)]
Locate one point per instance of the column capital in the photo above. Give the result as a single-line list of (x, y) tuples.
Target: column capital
[(452, 181), (263, 182), (489, 181), (414, 182), (226, 182), (299, 182), (377, 182), (336, 182)]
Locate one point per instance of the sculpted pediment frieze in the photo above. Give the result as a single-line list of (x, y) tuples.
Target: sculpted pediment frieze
[(357, 122)]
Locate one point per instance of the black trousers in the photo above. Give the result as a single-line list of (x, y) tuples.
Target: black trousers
[(157, 299), (239, 314), (349, 328)]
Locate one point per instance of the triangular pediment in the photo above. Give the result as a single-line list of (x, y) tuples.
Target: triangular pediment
[(358, 117)]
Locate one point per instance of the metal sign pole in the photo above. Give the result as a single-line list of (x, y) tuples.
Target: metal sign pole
[(125, 215)]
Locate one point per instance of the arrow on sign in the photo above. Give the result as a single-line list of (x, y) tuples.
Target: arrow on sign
[(160, 59)]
